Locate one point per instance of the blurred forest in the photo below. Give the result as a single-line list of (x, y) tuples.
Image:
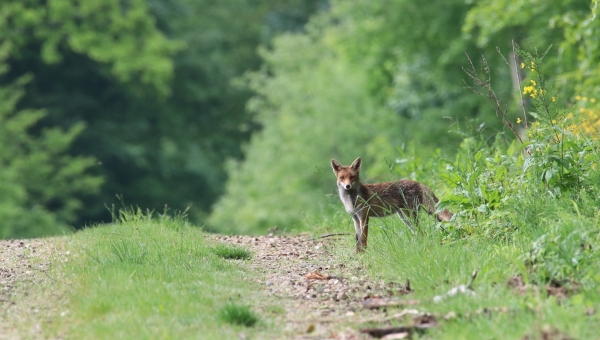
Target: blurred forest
[(236, 107)]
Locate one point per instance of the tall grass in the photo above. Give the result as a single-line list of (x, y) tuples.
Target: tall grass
[(526, 210)]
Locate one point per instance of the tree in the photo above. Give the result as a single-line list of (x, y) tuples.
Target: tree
[(152, 81), (40, 184)]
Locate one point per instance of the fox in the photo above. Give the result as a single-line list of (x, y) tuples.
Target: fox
[(362, 201)]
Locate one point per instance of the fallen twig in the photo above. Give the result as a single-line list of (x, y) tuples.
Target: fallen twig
[(330, 235)]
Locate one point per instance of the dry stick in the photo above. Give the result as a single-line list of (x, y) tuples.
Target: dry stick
[(519, 80), (516, 70), (472, 73), (329, 235)]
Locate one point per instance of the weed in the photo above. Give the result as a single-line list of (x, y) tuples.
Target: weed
[(238, 315), (230, 252)]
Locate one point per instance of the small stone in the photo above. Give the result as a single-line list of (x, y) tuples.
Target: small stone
[(341, 296)]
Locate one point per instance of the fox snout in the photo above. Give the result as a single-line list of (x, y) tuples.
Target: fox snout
[(346, 186)]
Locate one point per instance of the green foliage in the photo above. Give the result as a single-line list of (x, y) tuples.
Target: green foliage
[(570, 25), (509, 190), (306, 120), (41, 186), (566, 254), (151, 81), (238, 315), (131, 45)]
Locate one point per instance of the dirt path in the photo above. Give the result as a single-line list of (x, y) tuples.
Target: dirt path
[(331, 306), (318, 293), (24, 311)]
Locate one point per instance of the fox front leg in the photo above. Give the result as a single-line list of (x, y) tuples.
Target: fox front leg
[(357, 230), (361, 226)]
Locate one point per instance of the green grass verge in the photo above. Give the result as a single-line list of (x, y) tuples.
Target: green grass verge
[(497, 310), (145, 278)]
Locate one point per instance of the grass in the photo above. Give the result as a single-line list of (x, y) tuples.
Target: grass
[(238, 315), (148, 278), (232, 252), (497, 311)]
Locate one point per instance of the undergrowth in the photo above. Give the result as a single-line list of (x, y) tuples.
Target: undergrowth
[(526, 218)]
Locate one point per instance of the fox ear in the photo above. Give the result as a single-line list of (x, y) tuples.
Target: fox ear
[(356, 164), (336, 166)]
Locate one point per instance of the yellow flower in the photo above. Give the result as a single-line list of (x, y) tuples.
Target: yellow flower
[(518, 120), (592, 100), (577, 97), (522, 65), (533, 82), (584, 98), (528, 89), (534, 93), (553, 99), (553, 121)]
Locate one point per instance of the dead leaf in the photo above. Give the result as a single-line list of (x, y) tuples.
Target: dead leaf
[(316, 276)]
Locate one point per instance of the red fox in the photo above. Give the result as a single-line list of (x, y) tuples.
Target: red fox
[(403, 197)]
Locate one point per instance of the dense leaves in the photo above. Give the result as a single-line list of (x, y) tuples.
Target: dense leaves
[(381, 75), (40, 184)]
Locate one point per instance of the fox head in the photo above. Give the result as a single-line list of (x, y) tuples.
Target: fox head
[(347, 176)]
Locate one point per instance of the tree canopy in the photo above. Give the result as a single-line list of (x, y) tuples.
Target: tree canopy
[(234, 108)]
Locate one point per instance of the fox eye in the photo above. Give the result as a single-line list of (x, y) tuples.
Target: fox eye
[(342, 177)]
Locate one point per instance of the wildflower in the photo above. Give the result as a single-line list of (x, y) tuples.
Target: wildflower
[(532, 66), (553, 121), (518, 120), (528, 89), (534, 93), (584, 98), (522, 65), (533, 82), (577, 97), (592, 100), (553, 99)]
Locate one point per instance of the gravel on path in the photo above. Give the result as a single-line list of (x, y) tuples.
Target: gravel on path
[(323, 296)]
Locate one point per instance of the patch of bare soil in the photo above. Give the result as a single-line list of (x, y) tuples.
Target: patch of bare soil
[(322, 297), (26, 312)]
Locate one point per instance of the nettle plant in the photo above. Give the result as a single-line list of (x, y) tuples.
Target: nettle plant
[(555, 155)]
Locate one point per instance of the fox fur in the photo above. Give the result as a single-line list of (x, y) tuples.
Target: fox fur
[(362, 201)]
